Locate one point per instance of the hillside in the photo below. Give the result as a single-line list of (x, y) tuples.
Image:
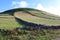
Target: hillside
[(29, 15), (8, 22), (38, 17), (28, 24)]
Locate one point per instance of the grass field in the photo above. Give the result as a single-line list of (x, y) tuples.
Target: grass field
[(8, 22)]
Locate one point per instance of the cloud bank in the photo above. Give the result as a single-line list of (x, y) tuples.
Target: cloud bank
[(54, 10)]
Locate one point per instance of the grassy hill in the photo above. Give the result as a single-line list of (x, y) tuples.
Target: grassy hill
[(38, 20), (21, 17), (38, 17), (7, 18)]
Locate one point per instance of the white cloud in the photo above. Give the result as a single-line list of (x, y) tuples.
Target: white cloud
[(53, 10), (40, 7), (19, 4), (23, 4)]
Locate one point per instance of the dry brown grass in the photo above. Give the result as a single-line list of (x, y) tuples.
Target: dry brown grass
[(22, 14)]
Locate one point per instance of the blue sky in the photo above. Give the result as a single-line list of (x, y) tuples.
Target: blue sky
[(52, 6)]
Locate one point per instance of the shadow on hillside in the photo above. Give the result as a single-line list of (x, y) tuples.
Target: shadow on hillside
[(10, 12), (28, 25)]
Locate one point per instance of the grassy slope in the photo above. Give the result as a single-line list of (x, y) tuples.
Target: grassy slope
[(34, 19), (9, 23), (38, 17), (43, 14), (35, 16)]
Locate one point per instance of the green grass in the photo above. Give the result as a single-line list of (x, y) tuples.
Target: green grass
[(9, 23), (35, 16)]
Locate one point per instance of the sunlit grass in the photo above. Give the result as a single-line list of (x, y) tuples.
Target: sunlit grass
[(9, 23)]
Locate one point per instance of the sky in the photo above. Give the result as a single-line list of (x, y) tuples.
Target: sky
[(51, 6)]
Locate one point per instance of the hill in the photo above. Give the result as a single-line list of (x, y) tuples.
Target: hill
[(28, 24), (8, 18)]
